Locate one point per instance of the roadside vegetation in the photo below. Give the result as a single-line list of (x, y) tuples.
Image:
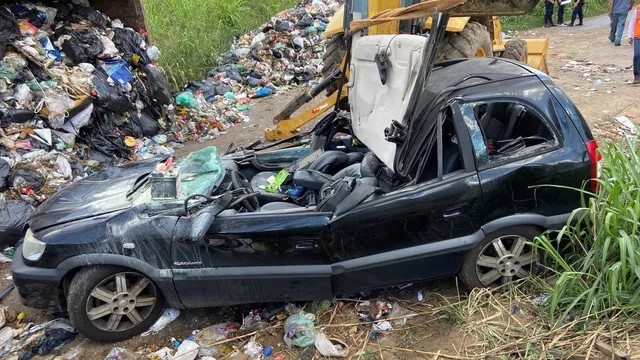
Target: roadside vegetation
[(192, 34), (536, 18), (597, 261)]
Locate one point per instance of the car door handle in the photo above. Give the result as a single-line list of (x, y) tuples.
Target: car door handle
[(306, 245), (452, 212)]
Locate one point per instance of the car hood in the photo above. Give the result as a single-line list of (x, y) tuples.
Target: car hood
[(98, 194)]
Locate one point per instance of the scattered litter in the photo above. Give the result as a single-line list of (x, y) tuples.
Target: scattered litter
[(420, 296), (299, 330), (330, 347), (400, 315), (188, 350), (118, 353), (541, 300), (215, 333), (168, 316), (627, 123), (383, 326), (252, 349)]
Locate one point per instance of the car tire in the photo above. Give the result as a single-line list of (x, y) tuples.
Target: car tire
[(99, 290), (332, 58), (468, 43), (515, 49), (494, 269)]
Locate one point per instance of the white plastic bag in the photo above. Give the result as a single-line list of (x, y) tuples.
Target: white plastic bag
[(330, 347)]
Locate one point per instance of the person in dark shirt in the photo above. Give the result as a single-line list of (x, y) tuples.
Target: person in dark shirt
[(577, 12), (548, 13)]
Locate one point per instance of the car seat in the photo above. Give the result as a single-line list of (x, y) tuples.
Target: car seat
[(328, 163), (315, 180)]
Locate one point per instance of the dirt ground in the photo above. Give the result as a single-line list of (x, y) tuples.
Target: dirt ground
[(594, 73)]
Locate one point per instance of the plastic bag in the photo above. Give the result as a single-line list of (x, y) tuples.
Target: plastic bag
[(187, 99), (299, 331), (82, 46), (110, 97), (118, 353), (330, 347), (118, 71), (79, 120), (130, 43), (167, 317), (108, 47), (200, 171), (91, 14), (214, 333), (26, 175), (14, 215), (52, 339), (23, 94), (4, 174), (9, 31), (252, 349), (158, 86), (188, 350)]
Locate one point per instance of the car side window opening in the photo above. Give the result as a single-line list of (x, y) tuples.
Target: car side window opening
[(505, 130), (443, 155)]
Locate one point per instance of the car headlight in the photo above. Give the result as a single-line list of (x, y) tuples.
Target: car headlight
[(32, 248)]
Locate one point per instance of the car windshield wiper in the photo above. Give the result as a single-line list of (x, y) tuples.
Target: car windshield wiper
[(142, 180)]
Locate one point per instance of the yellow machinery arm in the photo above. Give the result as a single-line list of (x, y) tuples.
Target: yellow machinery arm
[(534, 54)]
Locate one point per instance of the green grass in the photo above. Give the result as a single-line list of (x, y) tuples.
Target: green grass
[(536, 18), (597, 260), (192, 34)]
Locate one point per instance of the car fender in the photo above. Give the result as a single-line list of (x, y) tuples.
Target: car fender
[(163, 278), (527, 219)]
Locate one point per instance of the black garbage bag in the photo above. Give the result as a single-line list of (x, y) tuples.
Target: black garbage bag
[(15, 116), (149, 125), (158, 85), (110, 97), (4, 175), (101, 138), (9, 31), (84, 46), (128, 126), (26, 175), (129, 43), (14, 215), (207, 88), (91, 14), (52, 339)]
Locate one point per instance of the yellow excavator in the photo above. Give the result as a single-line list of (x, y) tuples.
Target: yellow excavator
[(474, 30)]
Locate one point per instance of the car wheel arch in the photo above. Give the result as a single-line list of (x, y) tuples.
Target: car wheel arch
[(526, 219), (162, 278)]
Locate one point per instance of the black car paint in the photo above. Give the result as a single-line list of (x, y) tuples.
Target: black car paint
[(418, 232)]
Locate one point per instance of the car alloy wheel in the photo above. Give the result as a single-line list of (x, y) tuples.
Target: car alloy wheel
[(121, 301), (505, 259)]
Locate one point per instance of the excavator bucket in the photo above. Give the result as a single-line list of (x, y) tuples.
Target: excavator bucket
[(537, 54)]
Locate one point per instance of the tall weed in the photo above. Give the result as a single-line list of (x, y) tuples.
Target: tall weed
[(597, 257)]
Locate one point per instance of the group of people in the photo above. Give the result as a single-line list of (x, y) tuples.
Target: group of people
[(549, 5)]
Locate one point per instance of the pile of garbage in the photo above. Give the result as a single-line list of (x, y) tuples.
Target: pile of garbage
[(286, 51), (77, 91)]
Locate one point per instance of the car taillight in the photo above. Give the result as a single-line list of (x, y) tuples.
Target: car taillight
[(594, 157)]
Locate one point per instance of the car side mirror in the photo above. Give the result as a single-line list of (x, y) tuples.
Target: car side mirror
[(202, 220)]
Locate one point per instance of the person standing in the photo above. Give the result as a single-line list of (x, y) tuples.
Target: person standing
[(618, 10), (561, 6), (577, 12), (634, 38), (548, 13)]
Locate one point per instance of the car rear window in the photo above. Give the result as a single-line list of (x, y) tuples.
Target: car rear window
[(503, 131)]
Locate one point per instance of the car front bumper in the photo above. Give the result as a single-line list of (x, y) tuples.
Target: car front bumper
[(38, 287)]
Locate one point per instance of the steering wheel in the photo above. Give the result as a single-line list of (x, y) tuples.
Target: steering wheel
[(239, 181)]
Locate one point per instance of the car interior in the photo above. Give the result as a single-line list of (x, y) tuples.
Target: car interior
[(510, 128)]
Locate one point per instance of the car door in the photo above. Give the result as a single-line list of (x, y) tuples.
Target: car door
[(254, 257), (515, 181), (416, 232)]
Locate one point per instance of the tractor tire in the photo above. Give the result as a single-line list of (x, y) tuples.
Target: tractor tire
[(332, 58), (472, 41), (515, 49)]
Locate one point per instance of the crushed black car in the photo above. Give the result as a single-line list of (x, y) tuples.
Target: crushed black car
[(437, 170)]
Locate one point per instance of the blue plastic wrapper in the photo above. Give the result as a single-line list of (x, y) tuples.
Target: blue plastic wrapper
[(118, 70)]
